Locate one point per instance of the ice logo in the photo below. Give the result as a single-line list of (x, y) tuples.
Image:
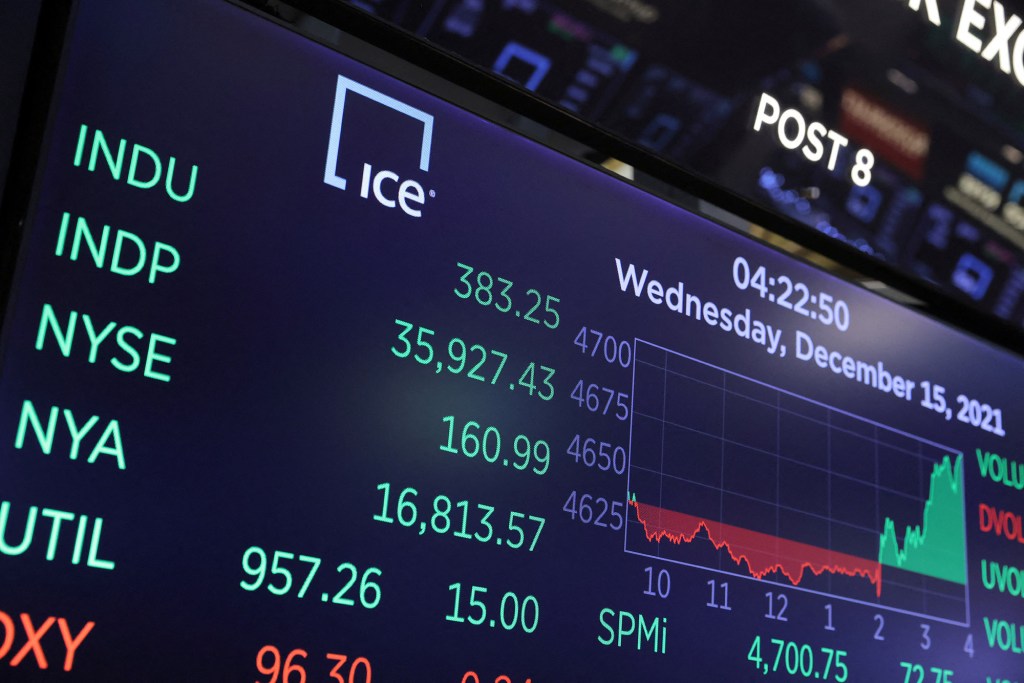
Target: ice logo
[(386, 186)]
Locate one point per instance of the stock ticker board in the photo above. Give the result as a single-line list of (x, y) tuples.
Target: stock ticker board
[(309, 375)]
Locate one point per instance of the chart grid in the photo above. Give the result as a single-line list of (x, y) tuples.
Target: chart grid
[(716, 456)]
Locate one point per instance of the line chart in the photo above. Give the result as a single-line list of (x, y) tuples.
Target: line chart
[(737, 476)]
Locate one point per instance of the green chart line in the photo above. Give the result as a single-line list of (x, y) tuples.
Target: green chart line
[(938, 546)]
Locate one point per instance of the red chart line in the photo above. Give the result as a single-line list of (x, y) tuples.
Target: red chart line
[(762, 553)]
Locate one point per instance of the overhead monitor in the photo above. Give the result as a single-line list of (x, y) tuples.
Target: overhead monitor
[(932, 89)]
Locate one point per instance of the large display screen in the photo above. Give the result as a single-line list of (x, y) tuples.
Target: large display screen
[(310, 375)]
